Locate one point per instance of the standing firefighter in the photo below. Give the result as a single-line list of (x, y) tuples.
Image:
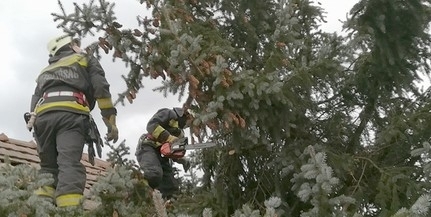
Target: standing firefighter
[(66, 92), (154, 149)]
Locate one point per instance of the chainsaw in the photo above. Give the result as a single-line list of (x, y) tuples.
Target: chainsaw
[(183, 144)]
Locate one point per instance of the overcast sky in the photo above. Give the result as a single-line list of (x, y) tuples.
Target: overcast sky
[(25, 28)]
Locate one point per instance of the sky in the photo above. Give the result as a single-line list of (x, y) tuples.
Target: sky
[(26, 26)]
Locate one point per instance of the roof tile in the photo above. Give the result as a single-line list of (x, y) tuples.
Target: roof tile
[(21, 152)]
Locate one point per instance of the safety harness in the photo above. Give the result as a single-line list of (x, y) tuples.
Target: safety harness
[(80, 97)]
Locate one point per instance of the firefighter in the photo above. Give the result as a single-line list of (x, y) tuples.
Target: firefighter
[(154, 152), (66, 91)]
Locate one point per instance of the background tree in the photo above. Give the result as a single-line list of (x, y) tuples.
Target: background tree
[(330, 125)]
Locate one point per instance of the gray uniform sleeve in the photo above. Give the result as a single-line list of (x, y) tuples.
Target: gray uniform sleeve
[(97, 78), (100, 87), (156, 123)]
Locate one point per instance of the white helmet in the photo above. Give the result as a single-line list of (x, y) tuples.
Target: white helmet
[(56, 43)]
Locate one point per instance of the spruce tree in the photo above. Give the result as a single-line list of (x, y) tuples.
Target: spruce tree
[(320, 123)]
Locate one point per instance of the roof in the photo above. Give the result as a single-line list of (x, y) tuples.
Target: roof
[(21, 152)]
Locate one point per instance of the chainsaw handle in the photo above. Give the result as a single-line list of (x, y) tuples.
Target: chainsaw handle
[(179, 145)]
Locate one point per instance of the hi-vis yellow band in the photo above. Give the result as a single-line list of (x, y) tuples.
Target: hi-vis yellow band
[(173, 123), (68, 200), (159, 130), (64, 104), (67, 61), (105, 103)]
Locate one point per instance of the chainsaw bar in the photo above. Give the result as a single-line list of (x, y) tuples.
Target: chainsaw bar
[(184, 146), (199, 145)]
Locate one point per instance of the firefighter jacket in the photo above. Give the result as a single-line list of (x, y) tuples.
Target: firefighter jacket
[(164, 123), (72, 82)]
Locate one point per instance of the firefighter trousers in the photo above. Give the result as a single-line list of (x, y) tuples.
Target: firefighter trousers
[(158, 170), (60, 138)]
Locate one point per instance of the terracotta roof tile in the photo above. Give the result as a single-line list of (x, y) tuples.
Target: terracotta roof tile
[(21, 152), (3, 137)]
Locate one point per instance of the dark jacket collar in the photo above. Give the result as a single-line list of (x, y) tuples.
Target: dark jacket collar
[(59, 56)]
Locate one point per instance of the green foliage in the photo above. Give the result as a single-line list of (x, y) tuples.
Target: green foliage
[(270, 205), (118, 192), (419, 208), (18, 182), (316, 184), (331, 125), (121, 190)]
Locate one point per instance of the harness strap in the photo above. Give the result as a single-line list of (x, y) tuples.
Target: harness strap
[(80, 97), (150, 137)]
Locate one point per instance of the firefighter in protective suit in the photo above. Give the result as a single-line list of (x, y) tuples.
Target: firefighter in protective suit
[(66, 91), (154, 149)]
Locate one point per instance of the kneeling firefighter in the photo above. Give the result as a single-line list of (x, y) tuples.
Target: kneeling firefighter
[(66, 91), (154, 149)]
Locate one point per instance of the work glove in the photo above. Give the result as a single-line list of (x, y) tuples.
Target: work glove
[(91, 154), (110, 123), (108, 112), (171, 139), (173, 150)]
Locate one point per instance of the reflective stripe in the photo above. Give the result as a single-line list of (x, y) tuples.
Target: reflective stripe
[(79, 96), (159, 130), (69, 200), (105, 103), (59, 93), (173, 123), (46, 191), (66, 104), (67, 61)]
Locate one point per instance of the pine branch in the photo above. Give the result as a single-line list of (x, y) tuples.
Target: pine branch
[(159, 204)]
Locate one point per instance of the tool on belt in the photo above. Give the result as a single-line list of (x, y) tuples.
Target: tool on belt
[(29, 120), (30, 117), (93, 138)]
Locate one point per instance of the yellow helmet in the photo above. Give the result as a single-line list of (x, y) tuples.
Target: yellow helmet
[(56, 43)]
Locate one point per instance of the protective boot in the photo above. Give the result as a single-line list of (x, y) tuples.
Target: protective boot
[(67, 200), (46, 192)]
